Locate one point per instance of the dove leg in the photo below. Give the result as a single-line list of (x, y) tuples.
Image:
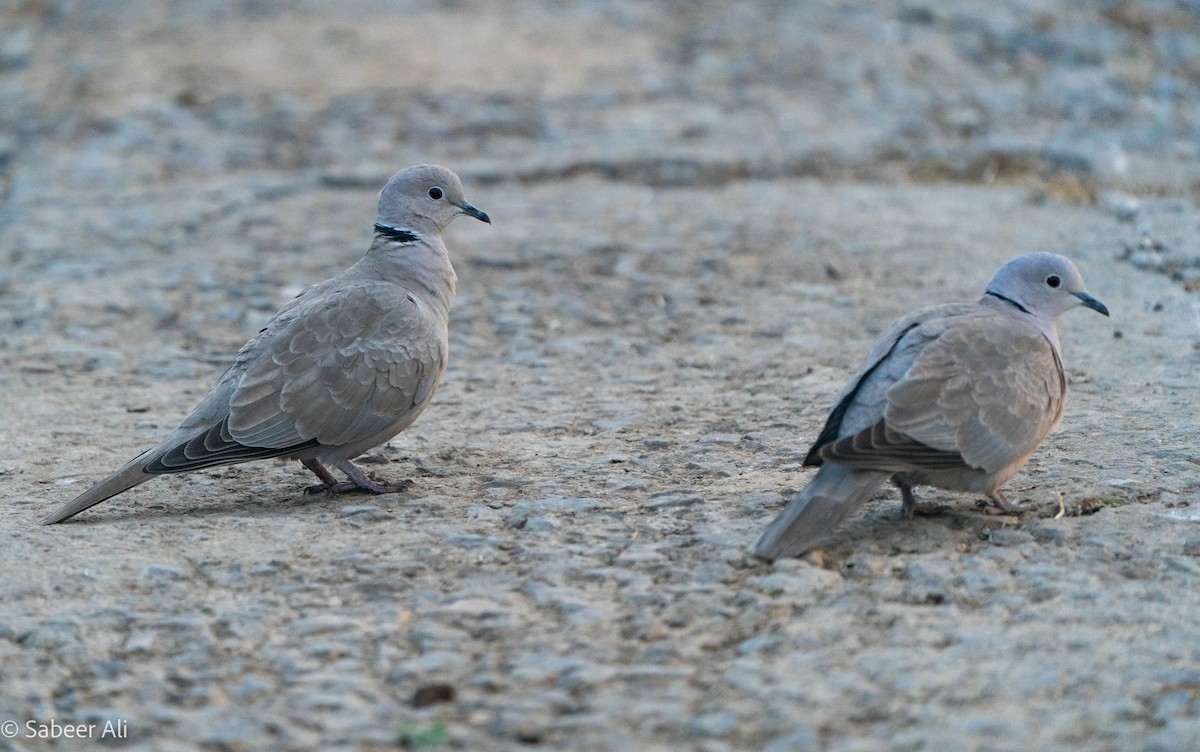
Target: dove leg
[(1003, 504), (360, 480), (328, 482), (908, 497), (912, 507)]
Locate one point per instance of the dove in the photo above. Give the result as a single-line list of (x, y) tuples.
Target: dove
[(956, 396), (342, 368)]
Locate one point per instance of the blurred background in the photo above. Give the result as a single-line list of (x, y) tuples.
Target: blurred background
[(127, 101), (1094, 95)]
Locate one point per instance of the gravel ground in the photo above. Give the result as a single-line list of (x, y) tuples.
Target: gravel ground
[(704, 215)]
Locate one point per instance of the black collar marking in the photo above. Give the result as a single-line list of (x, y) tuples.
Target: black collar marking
[(396, 233), (1008, 300)]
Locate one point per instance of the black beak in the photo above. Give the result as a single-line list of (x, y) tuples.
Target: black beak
[(1091, 302), (471, 211)]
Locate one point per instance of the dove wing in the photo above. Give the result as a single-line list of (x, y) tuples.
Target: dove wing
[(863, 400), (983, 395), (338, 369)]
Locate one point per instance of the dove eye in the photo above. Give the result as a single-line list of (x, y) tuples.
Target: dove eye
[(435, 193), (1053, 280)]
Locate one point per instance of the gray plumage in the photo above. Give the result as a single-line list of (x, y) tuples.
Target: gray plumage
[(956, 396), (342, 368)]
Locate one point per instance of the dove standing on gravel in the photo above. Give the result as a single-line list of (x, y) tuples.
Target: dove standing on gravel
[(956, 396), (344, 367)]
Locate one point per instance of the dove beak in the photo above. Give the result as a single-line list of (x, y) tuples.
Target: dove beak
[(471, 211), (1091, 302)]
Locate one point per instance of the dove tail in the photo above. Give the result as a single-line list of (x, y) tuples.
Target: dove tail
[(812, 514), (122, 480)]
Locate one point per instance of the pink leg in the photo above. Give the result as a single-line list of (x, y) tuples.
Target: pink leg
[(1001, 503), (358, 480)]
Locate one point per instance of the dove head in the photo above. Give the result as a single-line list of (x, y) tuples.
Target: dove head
[(423, 200), (1044, 284)]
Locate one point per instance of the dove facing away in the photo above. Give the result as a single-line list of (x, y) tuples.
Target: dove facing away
[(956, 396), (342, 368)]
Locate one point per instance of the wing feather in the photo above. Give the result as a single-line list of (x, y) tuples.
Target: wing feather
[(333, 368), (988, 388), (982, 394), (863, 400)]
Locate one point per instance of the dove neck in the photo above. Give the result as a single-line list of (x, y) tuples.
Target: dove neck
[(1040, 322), (1008, 300), (418, 262), (398, 234)]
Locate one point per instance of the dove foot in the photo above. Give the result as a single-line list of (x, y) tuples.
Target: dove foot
[(359, 481), (338, 487), (999, 504)]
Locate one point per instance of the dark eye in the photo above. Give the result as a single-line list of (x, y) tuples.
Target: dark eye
[(435, 193), (1053, 280)]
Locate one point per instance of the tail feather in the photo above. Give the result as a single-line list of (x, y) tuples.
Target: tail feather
[(812, 514), (124, 479)]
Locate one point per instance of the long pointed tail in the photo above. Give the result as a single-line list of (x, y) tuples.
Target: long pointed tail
[(813, 513), (122, 480)]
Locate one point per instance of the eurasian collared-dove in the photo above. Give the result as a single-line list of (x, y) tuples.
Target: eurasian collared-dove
[(342, 368), (956, 396)]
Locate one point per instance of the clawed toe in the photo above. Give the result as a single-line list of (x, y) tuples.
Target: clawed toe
[(359, 481), (375, 487), (997, 504), (363, 482), (349, 486), (332, 489)]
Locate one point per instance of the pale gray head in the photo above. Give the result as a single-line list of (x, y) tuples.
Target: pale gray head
[(423, 199), (1044, 284)]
